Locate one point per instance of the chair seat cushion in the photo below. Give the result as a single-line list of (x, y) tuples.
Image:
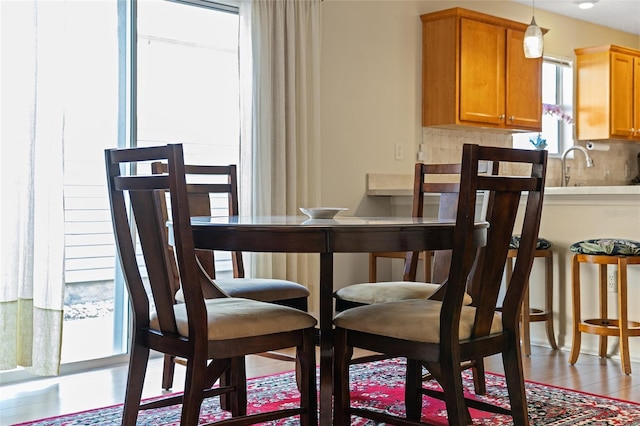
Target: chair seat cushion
[(391, 291), (232, 318), (607, 247), (541, 244), (263, 289), (415, 320)]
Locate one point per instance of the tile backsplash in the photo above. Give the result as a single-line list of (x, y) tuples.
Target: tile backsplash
[(617, 166)]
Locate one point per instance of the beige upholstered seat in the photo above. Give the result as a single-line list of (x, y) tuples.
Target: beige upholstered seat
[(232, 318), (391, 319), (368, 293), (265, 290)]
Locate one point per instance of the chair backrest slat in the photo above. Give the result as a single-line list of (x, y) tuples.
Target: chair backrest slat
[(147, 219), (504, 199), (132, 183), (505, 183)]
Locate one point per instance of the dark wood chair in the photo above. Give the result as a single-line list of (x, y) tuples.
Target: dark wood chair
[(213, 190), (376, 292), (441, 334), (429, 179), (211, 331)]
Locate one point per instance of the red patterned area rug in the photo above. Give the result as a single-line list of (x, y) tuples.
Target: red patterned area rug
[(380, 385)]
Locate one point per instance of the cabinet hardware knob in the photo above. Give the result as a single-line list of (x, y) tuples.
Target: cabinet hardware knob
[(511, 118), (501, 117)]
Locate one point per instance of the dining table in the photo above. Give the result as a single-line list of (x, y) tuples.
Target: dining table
[(326, 237)]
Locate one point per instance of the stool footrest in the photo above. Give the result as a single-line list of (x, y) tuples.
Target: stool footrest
[(608, 327), (537, 315)]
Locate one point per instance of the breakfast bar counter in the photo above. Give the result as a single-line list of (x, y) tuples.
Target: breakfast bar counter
[(570, 214)]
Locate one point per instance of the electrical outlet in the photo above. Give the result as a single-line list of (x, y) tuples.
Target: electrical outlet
[(612, 281), (399, 151)]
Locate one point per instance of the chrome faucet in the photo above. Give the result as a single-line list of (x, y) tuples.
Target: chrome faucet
[(565, 168)]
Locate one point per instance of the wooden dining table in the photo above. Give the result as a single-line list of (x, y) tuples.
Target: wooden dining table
[(343, 234)]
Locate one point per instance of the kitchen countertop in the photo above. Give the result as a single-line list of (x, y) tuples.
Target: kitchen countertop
[(593, 190), (392, 185)]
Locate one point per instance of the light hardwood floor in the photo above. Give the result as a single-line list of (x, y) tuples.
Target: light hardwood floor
[(103, 387)]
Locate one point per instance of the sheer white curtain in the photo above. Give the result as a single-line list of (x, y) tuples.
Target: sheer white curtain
[(32, 214), (280, 72)]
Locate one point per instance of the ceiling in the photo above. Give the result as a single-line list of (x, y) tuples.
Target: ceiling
[(622, 15)]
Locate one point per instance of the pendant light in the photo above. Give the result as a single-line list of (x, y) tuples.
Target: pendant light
[(533, 41), (586, 4)]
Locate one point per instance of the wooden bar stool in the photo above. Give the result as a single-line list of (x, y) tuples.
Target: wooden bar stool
[(604, 252), (529, 314)]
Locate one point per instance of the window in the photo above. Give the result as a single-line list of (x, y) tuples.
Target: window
[(188, 87), (186, 91), (557, 100)]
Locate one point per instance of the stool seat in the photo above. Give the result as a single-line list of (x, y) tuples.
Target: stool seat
[(604, 252), (541, 244), (530, 314), (607, 247)]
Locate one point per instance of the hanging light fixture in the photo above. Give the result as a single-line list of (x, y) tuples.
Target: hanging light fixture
[(586, 4), (533, 41)]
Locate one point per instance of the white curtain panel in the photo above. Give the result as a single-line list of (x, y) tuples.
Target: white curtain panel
[(280, 72), (32, 215)]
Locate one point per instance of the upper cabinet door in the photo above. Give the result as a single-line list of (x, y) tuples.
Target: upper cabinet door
[(608, 93), (621, 95), (524, 85), (482, 72), (474, 73)]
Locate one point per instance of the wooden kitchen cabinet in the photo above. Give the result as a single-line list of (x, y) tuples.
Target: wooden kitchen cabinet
[(475, 73), (608, 93)]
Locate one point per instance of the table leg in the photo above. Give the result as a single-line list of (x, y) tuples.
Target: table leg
[(326, 339)]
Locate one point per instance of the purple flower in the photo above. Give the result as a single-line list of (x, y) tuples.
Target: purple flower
[(556, 111)]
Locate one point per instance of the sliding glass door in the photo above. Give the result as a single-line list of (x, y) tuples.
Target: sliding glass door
[(185, 90)]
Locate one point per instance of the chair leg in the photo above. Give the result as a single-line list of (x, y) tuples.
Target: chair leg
[(226, 400), (373, 268), (238, 379), (514, 377), (575, 290), (479, 383), (168, 371), (306, 355), (342, 398), (412, 390), (135, 381), (451, 381), (220, 370), (193, 390), (623, 317), (604, 303), (548, 299)]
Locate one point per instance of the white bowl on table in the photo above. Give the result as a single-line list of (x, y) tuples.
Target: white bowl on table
[(322, 212)]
